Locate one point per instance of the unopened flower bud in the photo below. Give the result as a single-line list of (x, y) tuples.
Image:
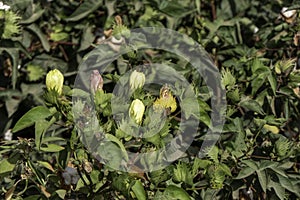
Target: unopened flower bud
[(136, 110), (96, 81), (54, 81), (137, 80)]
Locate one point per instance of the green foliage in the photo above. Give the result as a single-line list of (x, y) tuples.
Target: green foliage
[(10, 26), (254, 45)]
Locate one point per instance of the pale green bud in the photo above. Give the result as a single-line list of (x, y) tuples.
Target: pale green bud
[(136, 110), (54, 81), (137, 80)]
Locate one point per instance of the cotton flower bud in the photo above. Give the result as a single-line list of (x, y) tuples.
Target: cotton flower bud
[(136, 110), (137, 80), (96, 81), (54, 81)]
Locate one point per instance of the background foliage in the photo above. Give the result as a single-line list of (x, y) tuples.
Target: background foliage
[(253, 43)]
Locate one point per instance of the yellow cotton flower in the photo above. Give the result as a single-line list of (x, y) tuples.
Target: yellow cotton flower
[(165, 101)]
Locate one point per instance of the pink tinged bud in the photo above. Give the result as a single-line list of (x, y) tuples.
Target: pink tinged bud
[(96, 81), (55, 81)]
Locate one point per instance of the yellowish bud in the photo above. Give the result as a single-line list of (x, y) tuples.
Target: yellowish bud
[(137, 80), (54, 81), (136, 110)]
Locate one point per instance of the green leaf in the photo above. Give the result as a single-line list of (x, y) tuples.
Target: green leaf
[(174, 9), (61, 193), (59, 36), (266, 164), (279, 190), (210, 193), (288, 184), (273, 83), (174, 192), (204, 117), (6, 166), (35, 16), (52, 139), (112, 138), (35, 29), (46, 165), (51, 62), (14, 53), (258, 66), (33, 197), (251, 164), (258, 81), (262, 177), (35, 72), (286, 165), (87, 38), (52, 148), (278, 171), (245, 172), (32, 116), (86, 8), (252, 105), (40, 128), (189, 107), (225, 169), (138, 190)]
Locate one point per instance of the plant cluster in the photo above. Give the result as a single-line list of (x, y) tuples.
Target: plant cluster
[(48, 138)]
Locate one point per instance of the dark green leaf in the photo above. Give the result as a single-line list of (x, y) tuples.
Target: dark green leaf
[(245, 172), (279, 190), (52, 148), (40, 128), (33, 17), (263, 179), (174, 192), (36, 30), (86, 8), (252, 105), (273, 83), (32, 116), (87, 38)]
